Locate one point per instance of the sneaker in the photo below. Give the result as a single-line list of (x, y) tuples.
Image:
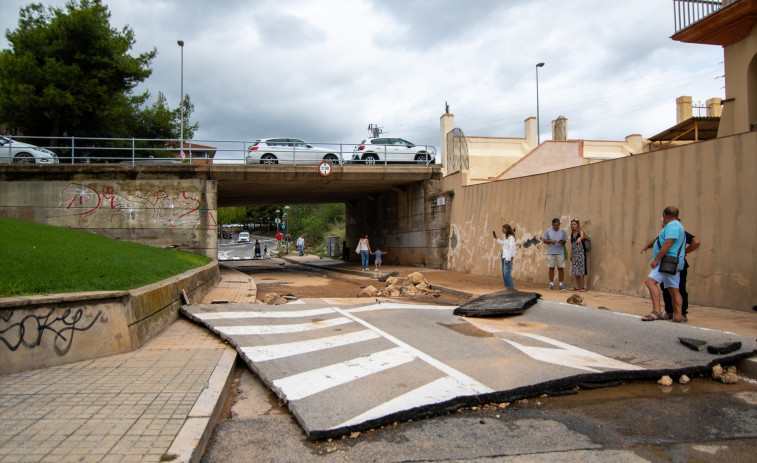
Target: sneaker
[(551, 286), (376, 270), (562, 287)]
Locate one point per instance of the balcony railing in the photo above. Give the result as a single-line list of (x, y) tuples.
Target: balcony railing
[(688, 12)]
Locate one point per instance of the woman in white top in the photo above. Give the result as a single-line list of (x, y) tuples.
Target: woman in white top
[(508, 253), (364, 249)]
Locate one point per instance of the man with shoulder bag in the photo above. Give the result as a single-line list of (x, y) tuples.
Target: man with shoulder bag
[(667, 263)]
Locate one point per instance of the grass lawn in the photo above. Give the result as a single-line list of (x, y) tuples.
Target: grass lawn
[(38, 259)]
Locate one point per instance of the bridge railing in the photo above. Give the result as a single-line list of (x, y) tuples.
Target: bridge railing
[(139, 151)]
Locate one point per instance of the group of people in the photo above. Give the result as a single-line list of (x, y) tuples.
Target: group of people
[(280, 237), (669, 281), (557, 254), (364, 249)]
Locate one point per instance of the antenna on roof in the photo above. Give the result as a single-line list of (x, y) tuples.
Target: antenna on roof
[(375, 130)]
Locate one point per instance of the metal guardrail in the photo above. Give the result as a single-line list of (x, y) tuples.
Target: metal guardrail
[(138, 151), (688, 12)]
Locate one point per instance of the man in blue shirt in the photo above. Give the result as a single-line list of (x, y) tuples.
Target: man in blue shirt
[(670, 242), (555, 238)]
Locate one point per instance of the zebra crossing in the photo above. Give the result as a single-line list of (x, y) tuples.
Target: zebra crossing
[(353, 366)]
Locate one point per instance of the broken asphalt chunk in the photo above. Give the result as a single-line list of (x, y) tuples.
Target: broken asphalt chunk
[(693, 344), (726, 348), (499, 304)]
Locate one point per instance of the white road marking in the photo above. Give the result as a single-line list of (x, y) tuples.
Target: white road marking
[(435, 392), (569, 356), (400, 306), (277, 351), (280, 329), (252, 314), (320, 379)]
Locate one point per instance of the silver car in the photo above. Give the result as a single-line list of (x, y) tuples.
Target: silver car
[(24, 153), (289, 151), (376, 150)]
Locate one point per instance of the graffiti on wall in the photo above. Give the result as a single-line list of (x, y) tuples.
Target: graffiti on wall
[(98, 203), (29, 330)]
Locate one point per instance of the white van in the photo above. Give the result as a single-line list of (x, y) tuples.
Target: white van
[(244, 237)]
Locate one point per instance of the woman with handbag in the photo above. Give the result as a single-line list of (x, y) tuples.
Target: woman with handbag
[(578, 256), (667, 262)]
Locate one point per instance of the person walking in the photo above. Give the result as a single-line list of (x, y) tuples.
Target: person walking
[(364, 249), (669, 243), (578, 265), (555, 239), (507, 255), (301, 244), (278, 240), (378, 253)]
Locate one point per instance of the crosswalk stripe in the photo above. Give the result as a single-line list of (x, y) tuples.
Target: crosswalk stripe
[(314, 381), (281, 329), (277, 351), (438, 391), (252, 314), (398, 306)]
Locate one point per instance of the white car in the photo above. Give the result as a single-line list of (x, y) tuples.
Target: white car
[(24, 153), (244, 237), (289, 151), (376, 150)]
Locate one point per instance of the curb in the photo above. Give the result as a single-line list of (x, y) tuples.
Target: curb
[(192, 439)]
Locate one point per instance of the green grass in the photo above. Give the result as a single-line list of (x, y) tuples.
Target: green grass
[(38, 259)]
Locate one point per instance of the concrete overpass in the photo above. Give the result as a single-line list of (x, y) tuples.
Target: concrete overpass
[(176, 204)]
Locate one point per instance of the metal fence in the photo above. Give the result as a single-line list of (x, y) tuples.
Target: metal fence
[(138, 151), (688, 12)]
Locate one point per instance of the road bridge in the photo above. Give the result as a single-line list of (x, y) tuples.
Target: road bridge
[(176, 204)]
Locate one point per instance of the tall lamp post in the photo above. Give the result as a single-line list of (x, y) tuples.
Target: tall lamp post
[(181, 103), (538, 135)]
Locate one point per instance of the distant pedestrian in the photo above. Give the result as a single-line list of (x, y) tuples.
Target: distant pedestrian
[(555, 239), (301, 244), (278, 240), (669, 243), (265, 252), (378, 253), (257, 249), (364, 249), (578, 265), (288, 240), (507, 255)]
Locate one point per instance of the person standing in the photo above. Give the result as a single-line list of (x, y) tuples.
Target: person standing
[(555, 239), (670, 242), (578, 256), (301, 244), (364, 249), (507, 255), (278, 240), (692, 244)]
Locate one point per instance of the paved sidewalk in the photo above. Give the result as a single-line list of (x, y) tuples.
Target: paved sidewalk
[(134, 407)]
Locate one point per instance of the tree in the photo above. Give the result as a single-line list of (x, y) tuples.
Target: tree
[(69, 72)]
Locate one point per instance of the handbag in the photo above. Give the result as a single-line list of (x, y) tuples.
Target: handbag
[(669, 264)]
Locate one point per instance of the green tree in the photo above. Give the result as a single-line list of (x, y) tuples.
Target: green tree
[(69, 72)]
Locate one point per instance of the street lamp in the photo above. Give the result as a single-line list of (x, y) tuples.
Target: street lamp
[(538, 136), (181, 103)]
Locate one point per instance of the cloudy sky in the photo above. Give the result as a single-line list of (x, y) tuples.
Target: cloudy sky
[(323, 70)]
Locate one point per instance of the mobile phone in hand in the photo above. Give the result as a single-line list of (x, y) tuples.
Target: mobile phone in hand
[(494, 234)]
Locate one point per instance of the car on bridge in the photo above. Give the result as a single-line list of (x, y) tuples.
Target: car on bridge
[(377, 150), (24, 153), (289, 151)]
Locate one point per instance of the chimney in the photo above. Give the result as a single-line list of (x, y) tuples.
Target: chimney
[(714, 107), (683, 109), (530, 129), (560, 128), (635, 143)]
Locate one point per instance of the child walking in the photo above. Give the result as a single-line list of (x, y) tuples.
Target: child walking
[(378, 253)]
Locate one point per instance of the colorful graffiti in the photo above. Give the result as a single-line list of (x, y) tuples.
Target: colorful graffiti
[(29, 330), (93, 203)]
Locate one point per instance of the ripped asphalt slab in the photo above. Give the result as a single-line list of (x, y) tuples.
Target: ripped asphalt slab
[(350, 367)]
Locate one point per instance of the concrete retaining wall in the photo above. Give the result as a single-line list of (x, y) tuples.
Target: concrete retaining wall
[(620, 203), (43, 331)]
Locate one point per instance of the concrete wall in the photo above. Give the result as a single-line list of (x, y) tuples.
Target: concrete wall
[(159, 212), (412, 223), (43, 331), (620, 204)]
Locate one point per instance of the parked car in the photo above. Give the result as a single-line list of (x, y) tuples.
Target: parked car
[(375, 150), (288, 150), (244, 237), (24, 153)]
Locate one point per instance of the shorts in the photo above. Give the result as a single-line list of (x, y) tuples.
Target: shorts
[(556, 260), (378, 261), (670, 281)]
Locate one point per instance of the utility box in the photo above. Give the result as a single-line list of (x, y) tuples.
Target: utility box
[(333, 247)]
